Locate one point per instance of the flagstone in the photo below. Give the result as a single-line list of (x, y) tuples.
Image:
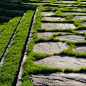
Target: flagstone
[(79, 18), (50, 47), (80, 49), (58, 79), (58, 25), (72, 38), (60, 61)]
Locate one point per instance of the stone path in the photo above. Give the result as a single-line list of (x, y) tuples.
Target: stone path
[(65, 34)]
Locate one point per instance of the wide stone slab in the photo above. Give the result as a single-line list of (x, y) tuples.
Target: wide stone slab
[(77, 13), (59, 79), (80, 49), (62, 62), (53, 18), (47, 13), (79, 18), (48, 34), (73, 38), (58, 25), (50, 47)]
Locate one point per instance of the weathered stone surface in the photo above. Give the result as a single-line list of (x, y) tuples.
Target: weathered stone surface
[(50, 47), (79, 18), (80, 9), (81, 31), (63, 62), (58, 25), (84, 23), (80, 49), (59, 79), (53, 18), (73, 38), (48, 34), (47, 13), (66, 2), (37, 3), (77, 13)]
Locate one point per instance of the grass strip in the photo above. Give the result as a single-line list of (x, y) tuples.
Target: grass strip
[(10, 69), (7, 35)]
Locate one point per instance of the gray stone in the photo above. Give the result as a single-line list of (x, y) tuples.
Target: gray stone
[(77, 13), (53, 18), (47, 13), (58, 25), (50, 47), (59, 79), (62, 62), (73, 38), (79, 18), (66, 2), (83, 2), (81, 31), (79, 9), (48, 34), (80, 49), (84, 23), (38, 3)]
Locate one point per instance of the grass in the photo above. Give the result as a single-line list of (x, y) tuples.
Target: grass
[(10, 69)]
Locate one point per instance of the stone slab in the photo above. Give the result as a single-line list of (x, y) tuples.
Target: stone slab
[(79, 18), (37, 3), (66, 2), (76, 13), (62, 62), (81, 31), (53, 18), (50, 47), (59, 79), (83, 2), (58, 25), (47, 13), (84, 23), (48, 34), (80, 9), (80, 49), (72, 38)]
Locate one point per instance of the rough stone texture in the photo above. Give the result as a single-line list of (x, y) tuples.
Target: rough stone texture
[(38, 3), (53, 18), (50, 47), (63, 62), (58, 25), (47, 13), (77, 13), (81, 31), (84, 23), (80, 49), (80, 9), (48, 34), (73, 38), (59, 79), (79, 17), (66, 2)]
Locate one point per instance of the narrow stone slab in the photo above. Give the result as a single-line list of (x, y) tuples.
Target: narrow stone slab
[(63, 62), (37, 3), (58, 25), (79, 18), (73, 38), (53, 18), (83, 2), (50, 47), (84, 23), (66, 2), (59, 79), (80, 49), (47, 13), (77, 13), (48, 34), (81, 31), (80, 9)]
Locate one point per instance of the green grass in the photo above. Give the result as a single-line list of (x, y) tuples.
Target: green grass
[(7, 34), (10, 69)]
